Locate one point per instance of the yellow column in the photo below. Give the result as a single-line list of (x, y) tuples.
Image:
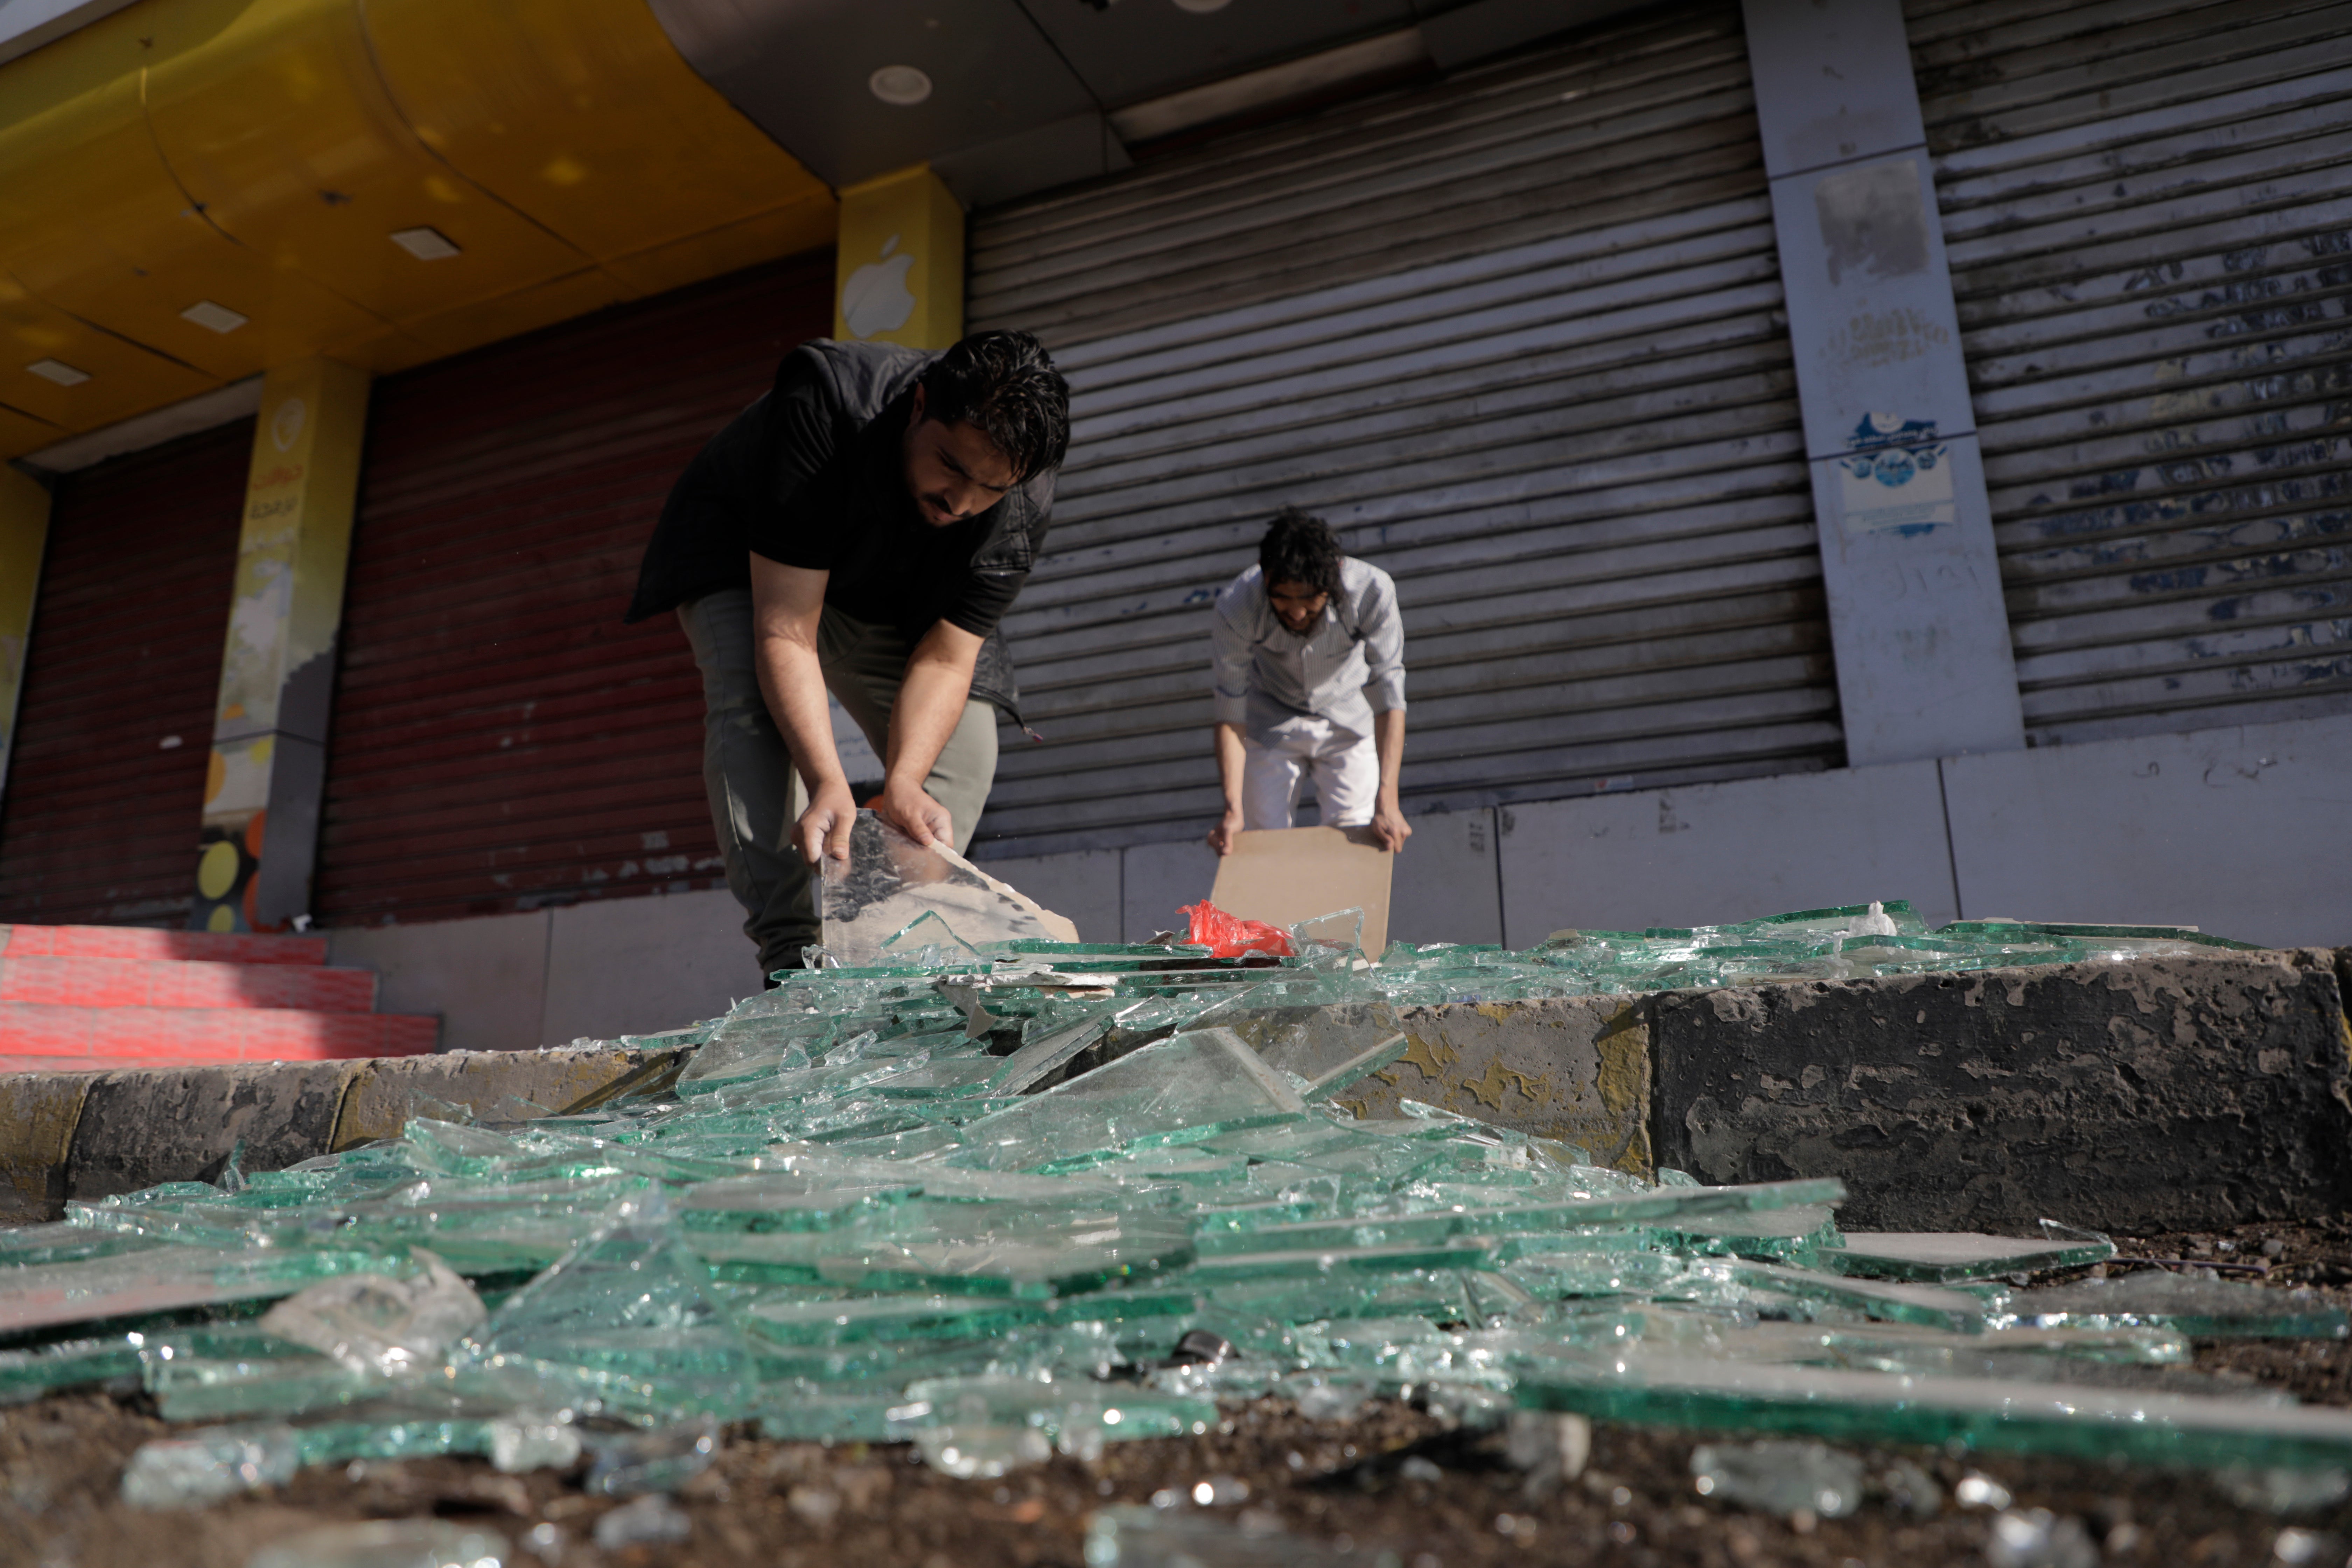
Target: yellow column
[(278, 673), (24, 537), (898, 276)]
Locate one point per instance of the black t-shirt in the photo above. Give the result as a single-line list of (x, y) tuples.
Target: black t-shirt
[(812, 475)]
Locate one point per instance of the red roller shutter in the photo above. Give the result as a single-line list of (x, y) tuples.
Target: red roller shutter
[(106, 787), (500, 741)]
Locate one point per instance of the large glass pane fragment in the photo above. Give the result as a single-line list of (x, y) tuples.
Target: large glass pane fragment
[(890, 883)]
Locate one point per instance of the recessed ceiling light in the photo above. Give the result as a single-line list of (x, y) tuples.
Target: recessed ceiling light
[(424, 244), (57, 371), (902, 85), (1202, 7), (219, 318)]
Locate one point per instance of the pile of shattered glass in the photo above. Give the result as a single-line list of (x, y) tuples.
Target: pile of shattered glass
[(1024, 1197)]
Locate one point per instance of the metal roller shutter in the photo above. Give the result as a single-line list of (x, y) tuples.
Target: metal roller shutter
[(106, 785), (501, 741), (1517, 335), (2148, 210)]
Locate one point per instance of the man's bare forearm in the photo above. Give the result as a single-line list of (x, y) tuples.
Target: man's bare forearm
[(933, 694), (1229, 763), (793, 681), (1228, 739), (787, 604), (931, 704), (1388, 742)]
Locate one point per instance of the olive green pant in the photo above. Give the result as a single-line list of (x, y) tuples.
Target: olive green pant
[(756, 795)]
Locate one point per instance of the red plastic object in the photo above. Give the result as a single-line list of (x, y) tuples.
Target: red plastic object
[(1230, 936)]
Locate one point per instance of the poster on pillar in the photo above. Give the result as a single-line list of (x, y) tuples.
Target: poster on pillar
[(259, 833), (899, 277), (1896, 477), (1871, 316)]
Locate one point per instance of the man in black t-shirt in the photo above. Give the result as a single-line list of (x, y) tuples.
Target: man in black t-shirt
[(861, 528)]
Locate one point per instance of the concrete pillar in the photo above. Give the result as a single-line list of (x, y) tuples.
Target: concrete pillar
[(1916, 619), (278, 673), (900, 274), (23, 539)]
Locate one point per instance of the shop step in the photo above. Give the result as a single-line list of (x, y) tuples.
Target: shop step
[(143, 983), (152, 945), (34, 1036)]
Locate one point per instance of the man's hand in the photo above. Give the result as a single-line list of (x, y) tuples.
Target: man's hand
[(824, 828), (1389, 826), (1228, 827), (910, 809)]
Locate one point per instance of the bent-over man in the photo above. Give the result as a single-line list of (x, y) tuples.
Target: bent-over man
[(861, 528), (1310, 671)]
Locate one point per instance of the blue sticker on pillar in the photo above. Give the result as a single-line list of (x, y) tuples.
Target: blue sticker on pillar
[(1895, 478)]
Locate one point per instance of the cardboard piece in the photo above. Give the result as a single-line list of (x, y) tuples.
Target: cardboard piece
[(1286, 875)]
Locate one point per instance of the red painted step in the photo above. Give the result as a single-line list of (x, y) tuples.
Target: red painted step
[(148, 944), (139, 982), (35, 1037)]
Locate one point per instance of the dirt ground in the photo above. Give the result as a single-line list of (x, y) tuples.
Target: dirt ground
[(1393, 1479)]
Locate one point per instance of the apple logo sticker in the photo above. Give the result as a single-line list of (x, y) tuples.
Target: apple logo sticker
[(286, 427), (876, 299)]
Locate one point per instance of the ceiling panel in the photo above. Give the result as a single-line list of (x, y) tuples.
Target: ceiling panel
[(580, 113), (1140, 48), (801, 69), (272, 114), (92, 222), (21, 433), (89, 378)]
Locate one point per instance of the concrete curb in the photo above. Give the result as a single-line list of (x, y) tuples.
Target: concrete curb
[(38, 1114), (2165, 1094), (90, 1135), (2161, 1094)]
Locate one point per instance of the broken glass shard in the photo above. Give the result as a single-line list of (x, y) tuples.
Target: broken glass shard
[(1131, 1536), (164, 1279), (26, 1374), (196, 1467), (1190, 1086), (1965, 1413), (388, 1543), (1779, 1477), (2208, 1308), (889, 882), (1947, 1258), (629, 1316), (373, 1323)]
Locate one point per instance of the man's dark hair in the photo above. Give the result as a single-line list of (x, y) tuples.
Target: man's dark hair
[(1299, 548), (1004, 386)]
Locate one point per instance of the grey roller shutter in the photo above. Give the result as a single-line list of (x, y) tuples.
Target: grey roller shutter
[(2148, 210), (1517, 335)]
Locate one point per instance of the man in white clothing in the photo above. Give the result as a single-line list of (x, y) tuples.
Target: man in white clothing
[(1309, 670)]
